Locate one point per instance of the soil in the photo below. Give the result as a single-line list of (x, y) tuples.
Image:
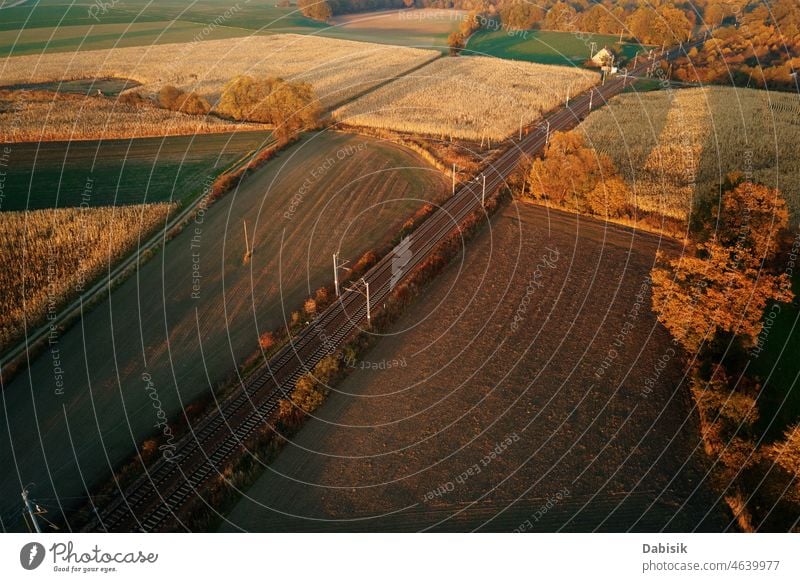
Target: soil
[(530, 388)]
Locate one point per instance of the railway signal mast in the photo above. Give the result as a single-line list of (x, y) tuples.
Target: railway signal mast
[(336, 266)]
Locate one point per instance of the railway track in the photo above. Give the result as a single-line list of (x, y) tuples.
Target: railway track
[(152, 501)]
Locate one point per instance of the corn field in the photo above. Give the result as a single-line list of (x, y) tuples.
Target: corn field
[(337, 69), (44, 116), (473, 98), (676, 147), (49, 256)]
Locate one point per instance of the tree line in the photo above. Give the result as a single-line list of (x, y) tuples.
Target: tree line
[(758, 46), (713, 300), (757, 42), (289, 106)]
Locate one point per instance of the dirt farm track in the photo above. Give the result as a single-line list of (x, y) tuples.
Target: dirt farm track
[(530, 389)]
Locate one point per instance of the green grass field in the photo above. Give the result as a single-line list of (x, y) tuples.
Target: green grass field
[(104, 36), (342, 191), (55, 26), (58, 13), (126, 171), (778, 367), (546, 47)]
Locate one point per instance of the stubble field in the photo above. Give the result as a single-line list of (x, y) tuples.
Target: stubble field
[(337, 69), (36, 116), (467, 98), (48, 256), (676, 147)]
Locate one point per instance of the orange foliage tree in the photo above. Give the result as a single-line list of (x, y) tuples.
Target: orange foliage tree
[(569, 171), (722, 287)]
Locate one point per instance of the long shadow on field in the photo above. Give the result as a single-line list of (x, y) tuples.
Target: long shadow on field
[(189, 316), (531, 388)]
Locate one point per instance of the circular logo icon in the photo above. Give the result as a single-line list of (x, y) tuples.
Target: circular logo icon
[(31, 555)]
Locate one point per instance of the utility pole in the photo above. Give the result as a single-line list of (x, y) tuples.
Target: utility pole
[(547, 133), (454, 179), (336, 266), (247, 252), (591, 94), (336, 272), (520, 126), (369, 317), (592, 47), (483, 192), (568, 91), (30, 511)]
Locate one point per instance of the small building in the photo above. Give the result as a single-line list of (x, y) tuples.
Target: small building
[(603, 57)]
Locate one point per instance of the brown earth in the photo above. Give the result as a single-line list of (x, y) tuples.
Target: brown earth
[(473, 364)]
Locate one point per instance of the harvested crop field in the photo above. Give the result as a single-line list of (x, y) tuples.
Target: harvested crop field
[(676, 147), (118, 172), (530, 375), (45, 116), (467, 97), (52, 255), (338, 69), (195, 311)]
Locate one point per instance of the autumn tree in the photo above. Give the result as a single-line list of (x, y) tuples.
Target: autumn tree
[(722, 286), (310, 307), (568, 172), (309, 391), (315, 9), (289, 106), (664, 24), (520, 14), (134, 99), (561, 16), (455, 41), (170, 97), (764, 51), (753, 219), (266, 340), (610, 198), (787, 451)]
